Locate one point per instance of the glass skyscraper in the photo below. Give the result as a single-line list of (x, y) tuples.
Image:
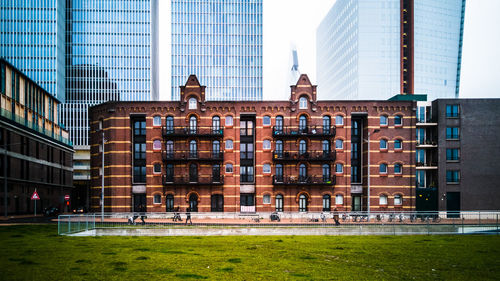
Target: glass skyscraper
[(358, 49), (32, 39), (220, 41)]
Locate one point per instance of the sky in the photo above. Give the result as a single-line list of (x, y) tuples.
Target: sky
[(293, 23)]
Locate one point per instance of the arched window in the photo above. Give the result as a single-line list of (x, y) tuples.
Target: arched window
[(217, 201), (193, 149), (279, 149), (302, 147), (383, 144), (193, 202), (383, 199), (157, 199), (169, 173), (326, 202), (266, 120), (279, 203), (303, 124), (302, 203), (325, 145), (398, 144), (279, 173), (169, 149), (327, 123), (216, 124), (303, 103), (398, 168), (229, 120), (229, 144), (339, 144), (278, 129), (339, 120), (302, 173), (193, 173), (157, 120), (193, 125), (339, 168), (326, 173), (216, 173), (398, 199), (193, 103), (169, 126), (383, 168), (398, 120), (383, 120), (169, 202), (216, 149), (339, 199), (157, 145)]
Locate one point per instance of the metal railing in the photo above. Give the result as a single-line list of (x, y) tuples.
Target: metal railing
[(309, 131), (192, 155), (192, 131), (304, 156), (193, 180), (303, 180), (359, 223)]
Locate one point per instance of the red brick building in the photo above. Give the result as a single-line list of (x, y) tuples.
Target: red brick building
[(295, 155)]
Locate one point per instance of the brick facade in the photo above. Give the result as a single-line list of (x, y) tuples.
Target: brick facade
[(304, 145)]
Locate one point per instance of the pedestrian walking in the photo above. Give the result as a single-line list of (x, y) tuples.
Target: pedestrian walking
[(336, 216), (188, 216), (142, 209)]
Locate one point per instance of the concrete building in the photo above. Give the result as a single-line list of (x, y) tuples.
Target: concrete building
[(35, 152), (376, 49), (298, 155)]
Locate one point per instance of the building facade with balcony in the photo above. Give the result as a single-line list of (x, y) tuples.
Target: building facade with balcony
[(298, 155), (35, 152)]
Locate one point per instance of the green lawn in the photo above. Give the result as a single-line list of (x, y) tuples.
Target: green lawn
[(38, 253)]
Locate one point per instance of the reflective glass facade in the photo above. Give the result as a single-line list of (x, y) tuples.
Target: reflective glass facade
[(358, 49), (108, 57), (220, 41), (32, 39)]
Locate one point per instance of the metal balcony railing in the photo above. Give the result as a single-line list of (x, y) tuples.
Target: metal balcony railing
[(303, 180), (192, 131), (192, 155), (193, 180), (304, 156), (298, 131)]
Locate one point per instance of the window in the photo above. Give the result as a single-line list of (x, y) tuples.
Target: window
[(266, 144), (169, 173), (216, 125), (217, 203), (302, 147), (157, 199), (266, 199), (339, 199), (383, 168), (382, 200), (398, 199), (339, 144), (229, 168), (326, 203), (326, 173), (339, 168), (398, 168), (339, 120), (303, 124), (279, 125), (216, 173), (216, 150), (302, 173), (246, 128), (246, 150), (193, 103), (303, 103), (229, 144), (383, 120), (229, 120), (157, 168), (325, 146), (169, 126), (169, 202), (169, 149), (383, 144), (193, 173), (157, 121), (193, 149), (100, 124), (398, 120), (452, 154), (279, 149), (266, 120), (157, 145), (279, 173), (452, 133), (266, 169), (420, 178), (398, 144), (279, 203), (246, 173), (193, 125), (327, 122), (302, 203), (452, 176), (452, 110)]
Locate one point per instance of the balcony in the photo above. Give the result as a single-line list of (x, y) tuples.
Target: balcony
[(298, 180), (427, 165), (182, 132), (193, 180), (320, 156), (308, 131), (180, 156), (426, 143)]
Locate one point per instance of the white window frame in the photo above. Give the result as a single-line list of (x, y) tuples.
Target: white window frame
[(228, 120), (380, 144), (382, 200), (193, 103), (264, 120), (339, 199), (154, 199), (342, 141), (156, 119), (156, 148), (400, 170), (386, 120), (379, 166), (400, 142), (341, 166), (155, 172), (227, 166), (302, 103), (400, 200), (398, 125), (266, 168), (266, 144), (228, 144), (266, 199), (341, 119)]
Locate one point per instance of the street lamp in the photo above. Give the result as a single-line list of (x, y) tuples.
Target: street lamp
[(368, 181)]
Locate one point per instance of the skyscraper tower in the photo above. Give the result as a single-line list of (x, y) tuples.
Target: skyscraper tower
[(377, 49), (219, 41)]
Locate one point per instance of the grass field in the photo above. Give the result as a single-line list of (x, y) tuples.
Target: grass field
[(38, 253)]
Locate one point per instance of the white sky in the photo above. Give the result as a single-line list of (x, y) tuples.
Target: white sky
[(290, 23)]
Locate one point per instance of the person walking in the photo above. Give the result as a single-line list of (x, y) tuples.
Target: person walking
[(188, 216), (336, 217), (143, 213)]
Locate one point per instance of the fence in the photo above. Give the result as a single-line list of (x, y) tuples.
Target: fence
[(357, 223)]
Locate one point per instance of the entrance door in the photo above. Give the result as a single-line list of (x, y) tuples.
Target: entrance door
[(139, 202), (247, 203), (356, 203), (453, 204), (302, 203), (217, 203), (193, 202)]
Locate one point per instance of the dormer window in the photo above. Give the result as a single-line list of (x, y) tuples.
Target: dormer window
[(303, 103), (193, 103)]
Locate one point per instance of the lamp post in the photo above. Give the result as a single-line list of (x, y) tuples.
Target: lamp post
[(368, 174)]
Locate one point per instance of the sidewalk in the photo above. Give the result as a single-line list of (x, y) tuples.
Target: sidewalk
[(26, 219)]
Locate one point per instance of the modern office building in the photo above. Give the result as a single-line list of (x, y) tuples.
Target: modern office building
[(35, 151), (32, 39), (294, 155), (376, 49), (221, 42)]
